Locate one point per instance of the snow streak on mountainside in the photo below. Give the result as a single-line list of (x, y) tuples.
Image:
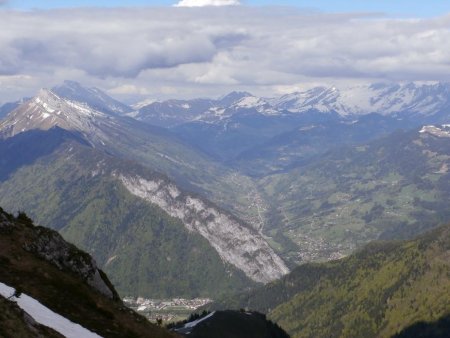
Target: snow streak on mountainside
[(47, 317), (236, 244)]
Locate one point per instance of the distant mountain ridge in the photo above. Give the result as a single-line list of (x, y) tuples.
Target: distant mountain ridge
[(381, 98), (259, 136), (424, 100)]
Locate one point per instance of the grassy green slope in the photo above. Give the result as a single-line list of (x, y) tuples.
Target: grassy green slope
[(144, 251), (396, 187), (376, 292)]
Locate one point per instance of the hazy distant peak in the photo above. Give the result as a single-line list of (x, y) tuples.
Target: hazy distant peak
[(233, 97)]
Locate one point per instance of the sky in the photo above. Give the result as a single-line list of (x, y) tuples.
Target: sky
[(160, 49), (412, 8)]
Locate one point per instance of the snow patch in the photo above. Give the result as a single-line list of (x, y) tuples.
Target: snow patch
[(47, 317), (198, 321), (248, 102), (436, 131)]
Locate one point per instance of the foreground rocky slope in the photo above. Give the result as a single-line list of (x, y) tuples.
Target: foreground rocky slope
[(36, 261)]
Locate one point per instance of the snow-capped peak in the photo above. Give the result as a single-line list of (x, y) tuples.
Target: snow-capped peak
[(47, 110), (438, 130), (379, 98), (93, 97), (232, 98)]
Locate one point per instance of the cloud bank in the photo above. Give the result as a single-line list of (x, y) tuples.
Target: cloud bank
[(210, 50), (203, 3)]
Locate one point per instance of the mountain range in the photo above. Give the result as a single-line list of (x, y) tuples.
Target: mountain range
[(423, 100), (259, 136), (256, 185), (70, 151)]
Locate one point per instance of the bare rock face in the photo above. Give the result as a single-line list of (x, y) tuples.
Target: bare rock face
[(50, 246), (48, 110), (235, 242)]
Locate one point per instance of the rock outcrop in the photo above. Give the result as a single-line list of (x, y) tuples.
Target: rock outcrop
[(235, 242)]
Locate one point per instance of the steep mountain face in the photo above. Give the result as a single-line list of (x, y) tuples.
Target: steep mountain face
[(119, 211), (376, 292), (50, 246), (36, 261), (47, 110), (395, 187), (92, 97), (236, 244)]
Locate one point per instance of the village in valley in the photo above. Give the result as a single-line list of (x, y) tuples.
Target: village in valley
[(167, 310)]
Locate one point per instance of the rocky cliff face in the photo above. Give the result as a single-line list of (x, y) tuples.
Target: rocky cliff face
[(44, 269), (235, 242), (49, 245)]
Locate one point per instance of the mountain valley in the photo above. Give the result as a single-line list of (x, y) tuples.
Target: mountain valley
[(93, 200), (206, 198)]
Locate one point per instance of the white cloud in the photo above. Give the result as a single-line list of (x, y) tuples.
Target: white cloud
[(203, 3), (209, 51), (129, 89)]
